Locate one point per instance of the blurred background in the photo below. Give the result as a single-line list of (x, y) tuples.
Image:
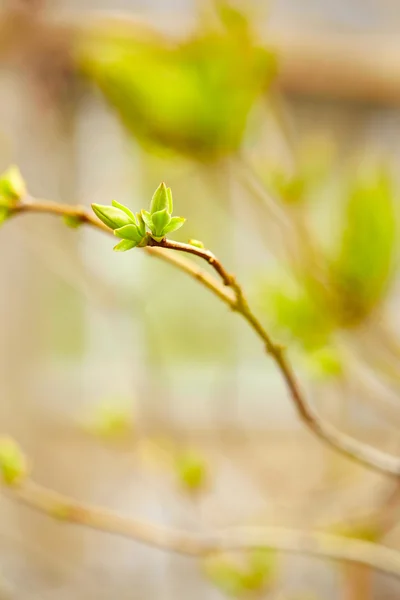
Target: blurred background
[(277, 125)]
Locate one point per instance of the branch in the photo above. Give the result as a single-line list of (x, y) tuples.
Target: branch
[(350, 447), (293, 541)]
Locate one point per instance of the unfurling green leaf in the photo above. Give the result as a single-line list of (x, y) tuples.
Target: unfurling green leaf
[(170, 201), (125, 245), (129, 232), (112, 216), (160, 221), (174, 224), (12, 187), (161, 199), (13, 465), (146, 216), (73, 221), (125, 209), (141, 224)]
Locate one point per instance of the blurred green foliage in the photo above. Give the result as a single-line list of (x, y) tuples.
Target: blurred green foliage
[(13, 466), (192, 96), (362, 270), (314, 301), (256, 574)]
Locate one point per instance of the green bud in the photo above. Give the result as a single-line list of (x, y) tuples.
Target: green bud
[(12, 187), (191, 470), (13, 466), (125, 209), (125, 245), (73, 221), (161, 199), (160, 221), (112, 216), (195, 243)]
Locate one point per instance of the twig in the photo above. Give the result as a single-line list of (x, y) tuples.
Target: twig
[(354, 449), (293, 541)]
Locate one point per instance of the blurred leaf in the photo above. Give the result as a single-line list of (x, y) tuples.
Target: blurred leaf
[(294, 310), (362, 270), (13, 465), (225, 575), (191, 97), (256, 574), (191, 470), (365, 530), (111, 420), (12, 187), (262, 569), (324, 363), (290, 189), (4, 214), (72, 221)]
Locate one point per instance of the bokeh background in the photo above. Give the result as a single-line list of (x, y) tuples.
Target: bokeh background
[(277, 125)]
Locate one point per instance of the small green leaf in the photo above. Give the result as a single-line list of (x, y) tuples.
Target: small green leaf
[(170, 201), (141, 224), (125, 209), (147, 219), (111, 216), (73, 221), (13, 465), (161, 199), (175, 224), (129, 232), (125, 245), (4, 214), (12, 187), (160, 221)]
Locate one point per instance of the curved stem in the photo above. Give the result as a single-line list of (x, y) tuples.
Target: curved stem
[(352, 448), (202, 545)]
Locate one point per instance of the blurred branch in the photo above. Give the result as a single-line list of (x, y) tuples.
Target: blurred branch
[(338, 66), (318, 544), (354, 449)]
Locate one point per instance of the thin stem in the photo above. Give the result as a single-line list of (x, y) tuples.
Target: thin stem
[(352, 448), (202, 545)]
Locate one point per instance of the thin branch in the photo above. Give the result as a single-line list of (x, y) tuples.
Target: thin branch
[(293, 541), (352, 448)]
